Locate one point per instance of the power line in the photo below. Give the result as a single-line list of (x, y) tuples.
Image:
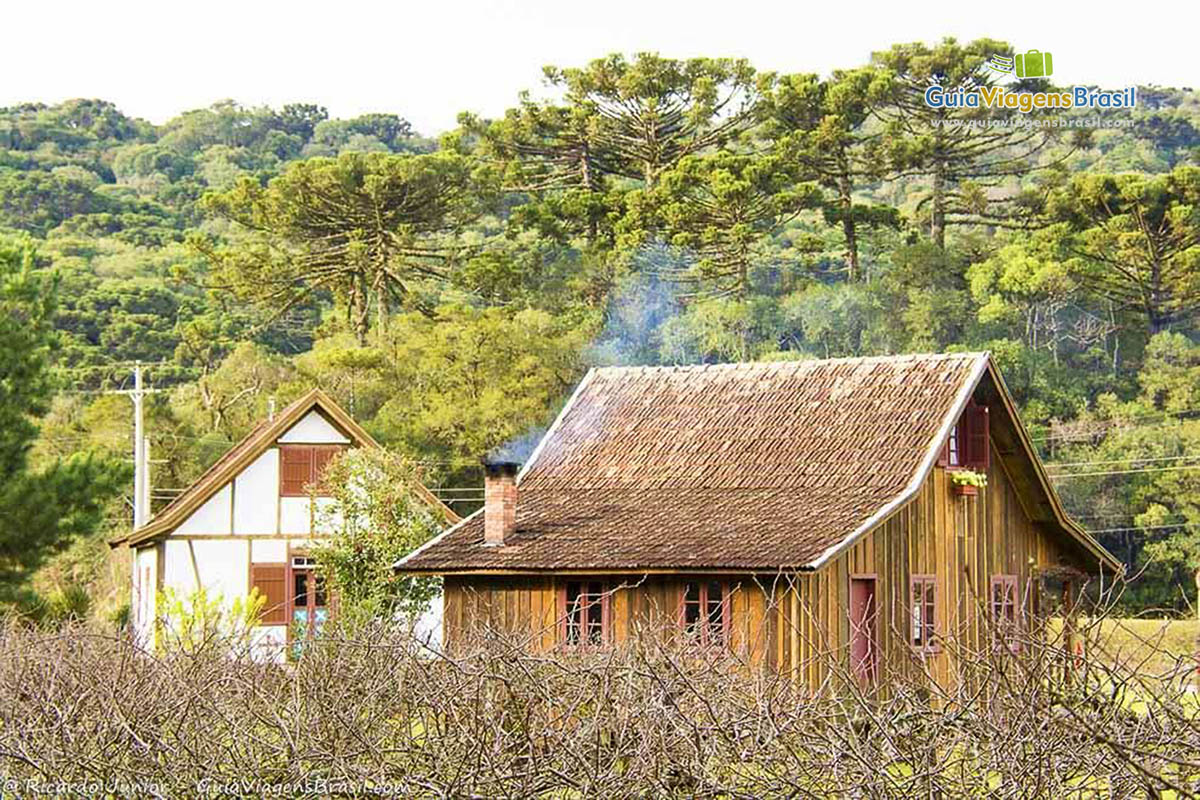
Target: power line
[(1144, 528), (1123, 472), (1135, 459), (1101, 426)]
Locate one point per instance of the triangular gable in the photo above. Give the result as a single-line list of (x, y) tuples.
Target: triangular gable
[(312, 417), (1022, 452), (1021, 447)]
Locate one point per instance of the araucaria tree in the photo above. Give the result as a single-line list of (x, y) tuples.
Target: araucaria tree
[(723, 207), (649, 113), (619, 127), (369, 228), (820, 126), (962, 152), (1135, 240)]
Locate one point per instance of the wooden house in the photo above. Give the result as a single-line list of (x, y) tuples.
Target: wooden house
[(787, 510), (248, 523)]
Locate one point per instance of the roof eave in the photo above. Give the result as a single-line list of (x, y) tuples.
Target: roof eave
[(1060, 512)]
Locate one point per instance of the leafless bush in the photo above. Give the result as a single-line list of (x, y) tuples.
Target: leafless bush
[(374, 712)]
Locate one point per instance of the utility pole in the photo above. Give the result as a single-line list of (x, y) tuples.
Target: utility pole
[(140, 507), (141, 449)]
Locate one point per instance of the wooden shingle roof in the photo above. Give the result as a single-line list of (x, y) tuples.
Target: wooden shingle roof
[(759, 466)]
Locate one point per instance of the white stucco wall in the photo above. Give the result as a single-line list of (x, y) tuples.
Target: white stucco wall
[(145, 592), (313, 429), (214, 517), (428, 626), (325, 519), (295, 516), (220, 566), (269, 643), (256, 496), (268, 551)]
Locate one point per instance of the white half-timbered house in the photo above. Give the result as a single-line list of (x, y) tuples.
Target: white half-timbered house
[(248, 522)]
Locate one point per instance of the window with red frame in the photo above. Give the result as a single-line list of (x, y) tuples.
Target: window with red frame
[(1004, 606), (967, 446), (704, 612), (923, 608), (585, 614)]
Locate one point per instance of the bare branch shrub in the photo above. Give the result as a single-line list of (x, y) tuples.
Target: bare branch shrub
[(371, 710)]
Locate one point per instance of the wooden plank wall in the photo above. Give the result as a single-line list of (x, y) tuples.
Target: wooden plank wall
[(796, 622), (961, 541)]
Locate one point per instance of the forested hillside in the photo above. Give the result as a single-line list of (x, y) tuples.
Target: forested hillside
[(636, 210)]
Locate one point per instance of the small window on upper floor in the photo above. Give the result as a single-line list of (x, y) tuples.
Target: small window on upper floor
[(301, 466), (968, 446)]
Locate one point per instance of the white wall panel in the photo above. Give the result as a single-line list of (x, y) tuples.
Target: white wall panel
[(178, 574), (295, 516), (145, 594), (256, 495), (269, 643), (212, 517), (268, 551), (313, 429), (221, 565), (224, 568), (325, 518)]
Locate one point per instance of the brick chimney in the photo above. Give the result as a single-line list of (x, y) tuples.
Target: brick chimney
[(499, 501)]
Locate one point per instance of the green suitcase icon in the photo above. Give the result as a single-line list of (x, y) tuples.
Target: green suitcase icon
[(1035, 64)]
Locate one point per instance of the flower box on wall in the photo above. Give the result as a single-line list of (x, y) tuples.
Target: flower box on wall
[(966, 482)]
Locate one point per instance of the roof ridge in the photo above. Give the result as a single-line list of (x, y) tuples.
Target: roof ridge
[(733, 365)]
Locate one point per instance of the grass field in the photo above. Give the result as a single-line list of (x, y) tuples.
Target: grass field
[(1154, 646)]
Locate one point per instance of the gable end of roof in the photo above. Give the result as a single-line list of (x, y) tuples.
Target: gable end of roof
[(255, 443)]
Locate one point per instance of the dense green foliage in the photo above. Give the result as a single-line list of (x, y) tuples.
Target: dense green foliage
[(644, 210), (41, 510), (377, 518)]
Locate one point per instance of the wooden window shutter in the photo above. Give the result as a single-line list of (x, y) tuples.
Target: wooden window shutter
[(271, 582), (976, 453), (321, 458), (295, 470)]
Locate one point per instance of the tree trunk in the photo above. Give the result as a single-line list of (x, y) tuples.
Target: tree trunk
[(849, 228), (937, 223), (381, 304), (361, 309)]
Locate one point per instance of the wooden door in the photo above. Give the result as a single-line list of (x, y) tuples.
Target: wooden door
[(864, 628)]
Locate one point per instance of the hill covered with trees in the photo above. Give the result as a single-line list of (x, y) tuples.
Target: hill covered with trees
[(640, 210)]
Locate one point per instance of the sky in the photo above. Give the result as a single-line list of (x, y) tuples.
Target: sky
[(429, 61)]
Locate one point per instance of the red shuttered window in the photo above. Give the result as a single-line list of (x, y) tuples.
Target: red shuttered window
[(301, 467), (584, 614), (974, 437), (967, 446), (271, 582), (704, 613)]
